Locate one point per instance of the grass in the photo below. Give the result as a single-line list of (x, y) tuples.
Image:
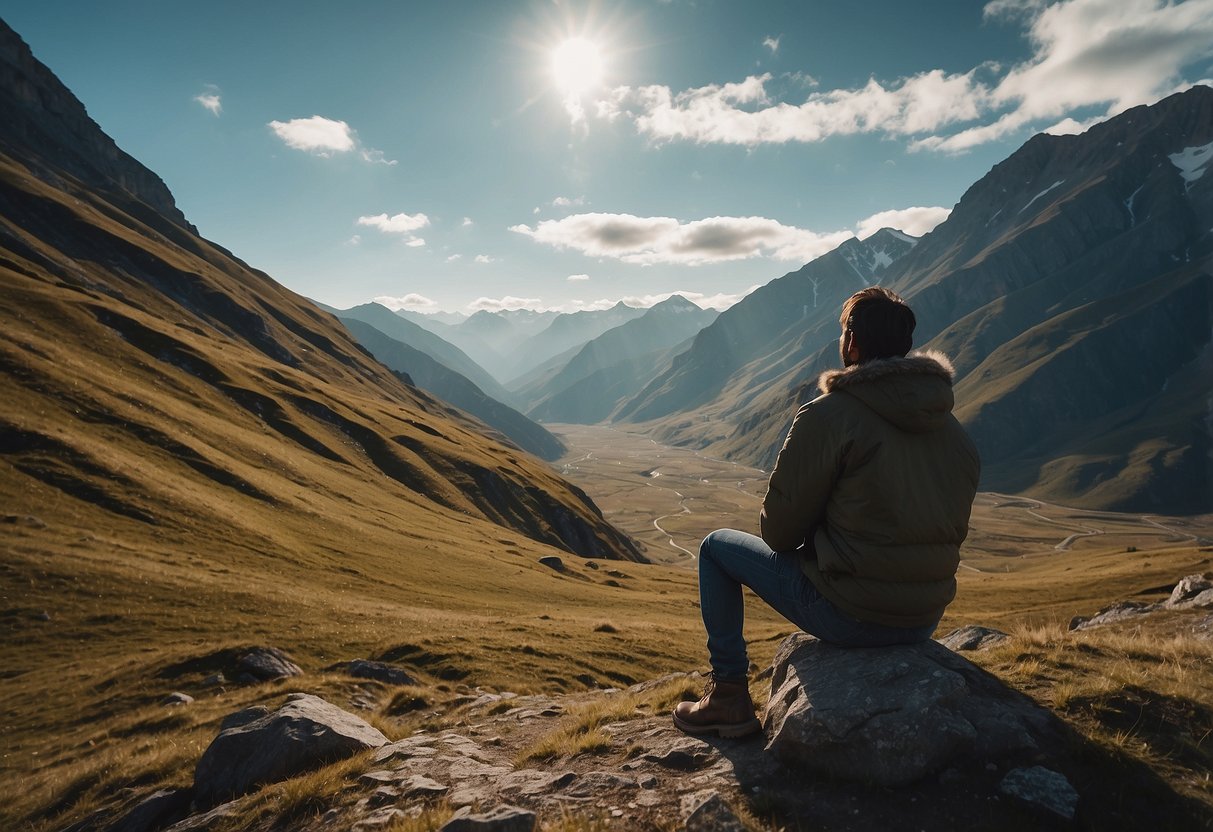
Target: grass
[(580, 730)]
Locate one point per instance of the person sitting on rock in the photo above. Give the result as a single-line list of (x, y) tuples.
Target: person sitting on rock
[(863, 518)]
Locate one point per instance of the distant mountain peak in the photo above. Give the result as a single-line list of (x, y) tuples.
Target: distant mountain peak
[(871, 256)]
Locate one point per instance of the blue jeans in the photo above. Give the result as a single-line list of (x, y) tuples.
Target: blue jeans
[(729, 559)]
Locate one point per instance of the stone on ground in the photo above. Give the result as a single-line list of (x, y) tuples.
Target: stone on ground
[(380, 672), (500, 819), (1191, 591), (891, 715), (265, 664), (972, 637), (709, 812), (1041, 787), (305, 733)]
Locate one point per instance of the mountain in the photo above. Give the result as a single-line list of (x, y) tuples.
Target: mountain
[(154, 385), (1072, 287), (419, 338), (568, 330), (437, 320), (611, 359), (763, 330), (448, 385)]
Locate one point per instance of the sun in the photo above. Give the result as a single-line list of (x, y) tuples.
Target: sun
[(577, 66)]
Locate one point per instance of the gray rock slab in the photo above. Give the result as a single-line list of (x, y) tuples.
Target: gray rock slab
[(177, 698), (685, 754), (268, 663), (500, 819), (1188, 590), (709, 812), (305, 733), (155, 811), (973, 637), (1042, 787), (1120, 611), (379, 671), (890, 715)]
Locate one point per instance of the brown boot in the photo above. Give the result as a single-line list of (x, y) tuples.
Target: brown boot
[(725, 709)]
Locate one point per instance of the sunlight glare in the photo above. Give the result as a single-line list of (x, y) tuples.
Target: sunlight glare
[(577, 65)]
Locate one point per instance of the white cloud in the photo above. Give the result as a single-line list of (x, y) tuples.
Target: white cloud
[(397, 223), (745, 114), (576, 277), (484, 258), (324, 137), (509, 302), (210, 99), (651, 240), (914, 221), (355, 240), (454, 257), (416, 242), (1111, 54), (412, 301), (317, 134), (772, 43), (467, 221)]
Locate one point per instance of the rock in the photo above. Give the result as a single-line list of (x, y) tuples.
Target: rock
[(972, 637), (177, 698), (553, 562), (1041, 787), (1119, 611), (501, 819), (600, 782), (418, 785), (27, 520), (685, 754), (156, 811), (380, 672), (43, 616), (214, 680), (891, 715), (709, 812), (305, 733), (244, 717), (206, 820), (1191, 591), (267, 663)]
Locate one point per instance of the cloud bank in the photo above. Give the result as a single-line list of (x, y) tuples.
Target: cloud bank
[(649, 241), (1111, 54), (412, 301)]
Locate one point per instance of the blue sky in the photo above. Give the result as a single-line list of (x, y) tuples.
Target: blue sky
[(438, 155)]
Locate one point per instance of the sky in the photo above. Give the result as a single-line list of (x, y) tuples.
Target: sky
[(457, 155)]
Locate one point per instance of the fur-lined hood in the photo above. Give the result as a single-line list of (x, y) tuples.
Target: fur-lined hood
[(928, 362), (914, 392)]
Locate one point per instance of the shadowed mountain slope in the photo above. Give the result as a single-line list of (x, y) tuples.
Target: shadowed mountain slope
[(613, 359), (434, 376), (151, 376), (406, 331), (1072, 287)]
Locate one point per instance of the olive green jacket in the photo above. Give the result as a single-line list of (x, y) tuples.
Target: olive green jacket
[(874, 486)]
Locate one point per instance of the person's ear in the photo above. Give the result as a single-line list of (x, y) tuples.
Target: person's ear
[(850, 349)]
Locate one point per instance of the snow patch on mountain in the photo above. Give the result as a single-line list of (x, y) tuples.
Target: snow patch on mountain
[(1039, 195), (1191, 162)]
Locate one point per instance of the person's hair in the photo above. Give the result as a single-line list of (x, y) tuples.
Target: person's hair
[(881, 323)]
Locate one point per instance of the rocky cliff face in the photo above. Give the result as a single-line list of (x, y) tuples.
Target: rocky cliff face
[(47, 127)]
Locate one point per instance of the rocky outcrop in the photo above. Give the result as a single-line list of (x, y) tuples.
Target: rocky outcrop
[(973, 637), (891, 715), (264, 664), (1191, 592), (305, 733), (45, 123)]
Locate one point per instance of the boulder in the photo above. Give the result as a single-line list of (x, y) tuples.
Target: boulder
[(973, 637), (891, 715), (265, 664), (156, 811), (1192, 591), (709, 812), (1043, 788), (177, 698), (380, 672), (305, 733), (1120, 611), (501, 819), (552, 562)]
